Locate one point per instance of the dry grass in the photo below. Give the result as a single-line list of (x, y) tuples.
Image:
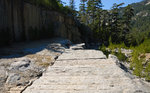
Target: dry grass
[(44, 64), (41, 60)]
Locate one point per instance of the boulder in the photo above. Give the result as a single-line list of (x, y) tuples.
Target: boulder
[(56, 47), (113, 57), (13, 79), (147, 56), (21, 65)]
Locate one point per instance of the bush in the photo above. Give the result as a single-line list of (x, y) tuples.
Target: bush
[(138, 68), (121, 56), (114, 46), (103, 49), (52, 4), (136, 63), (147, 72)]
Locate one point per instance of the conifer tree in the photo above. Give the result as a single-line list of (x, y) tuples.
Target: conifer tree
[(116, 25), (82, 12), (93, 7), (72, 7), (127, 17), (72, 4)]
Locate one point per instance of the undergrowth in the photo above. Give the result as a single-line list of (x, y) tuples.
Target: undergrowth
[(137, 59), (121, 56), (138, 56)]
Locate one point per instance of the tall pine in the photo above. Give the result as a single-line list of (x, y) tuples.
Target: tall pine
[(127, 17), (116, 24), (72, 4), (82, 11), (93, 7)]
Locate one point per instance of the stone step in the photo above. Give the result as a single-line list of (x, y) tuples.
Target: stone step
[(103, 67), (81, 80), (93, 62), (81, 87), (83, 91), (84, 71), (82, 54)]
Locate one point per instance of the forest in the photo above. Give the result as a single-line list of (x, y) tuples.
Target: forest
[(74, 46), (120, 27)]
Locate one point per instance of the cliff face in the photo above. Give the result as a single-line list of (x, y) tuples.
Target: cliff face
[(21, 20)]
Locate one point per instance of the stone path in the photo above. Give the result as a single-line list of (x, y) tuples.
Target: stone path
[(86, 71)]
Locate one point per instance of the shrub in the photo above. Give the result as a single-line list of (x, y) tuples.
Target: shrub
[(147, 72), (138, 68), (114, 46), (136, 63), (103, 49), (121, 56)]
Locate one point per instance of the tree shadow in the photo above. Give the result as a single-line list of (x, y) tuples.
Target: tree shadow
[(22, 49)]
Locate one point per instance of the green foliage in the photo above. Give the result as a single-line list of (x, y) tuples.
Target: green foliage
[(136, 63), (138, 68), (106, 24), (82, 12), (118, 28), (140, 39), (144, 47), (121, 24), (72, 4), (86, 33), (93, 7), (140, 22), (103, 27), (72, 8), (127, 18), (52, 4), (103, 49), (121, 56), (113, 46), (147, 72)]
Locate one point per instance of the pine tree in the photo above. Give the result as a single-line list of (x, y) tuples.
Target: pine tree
[(93, 7), (116, 24), (105, 26), (82, 12), (72, 7), (127, 17), (91, 10), (72, 4)]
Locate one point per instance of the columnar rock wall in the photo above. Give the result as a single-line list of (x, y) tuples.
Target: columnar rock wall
[(21, 20)]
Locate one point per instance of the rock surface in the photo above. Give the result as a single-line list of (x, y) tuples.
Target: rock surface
[(86, 71), (21, 66)]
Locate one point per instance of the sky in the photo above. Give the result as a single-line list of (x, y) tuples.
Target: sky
[(107, 4)]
